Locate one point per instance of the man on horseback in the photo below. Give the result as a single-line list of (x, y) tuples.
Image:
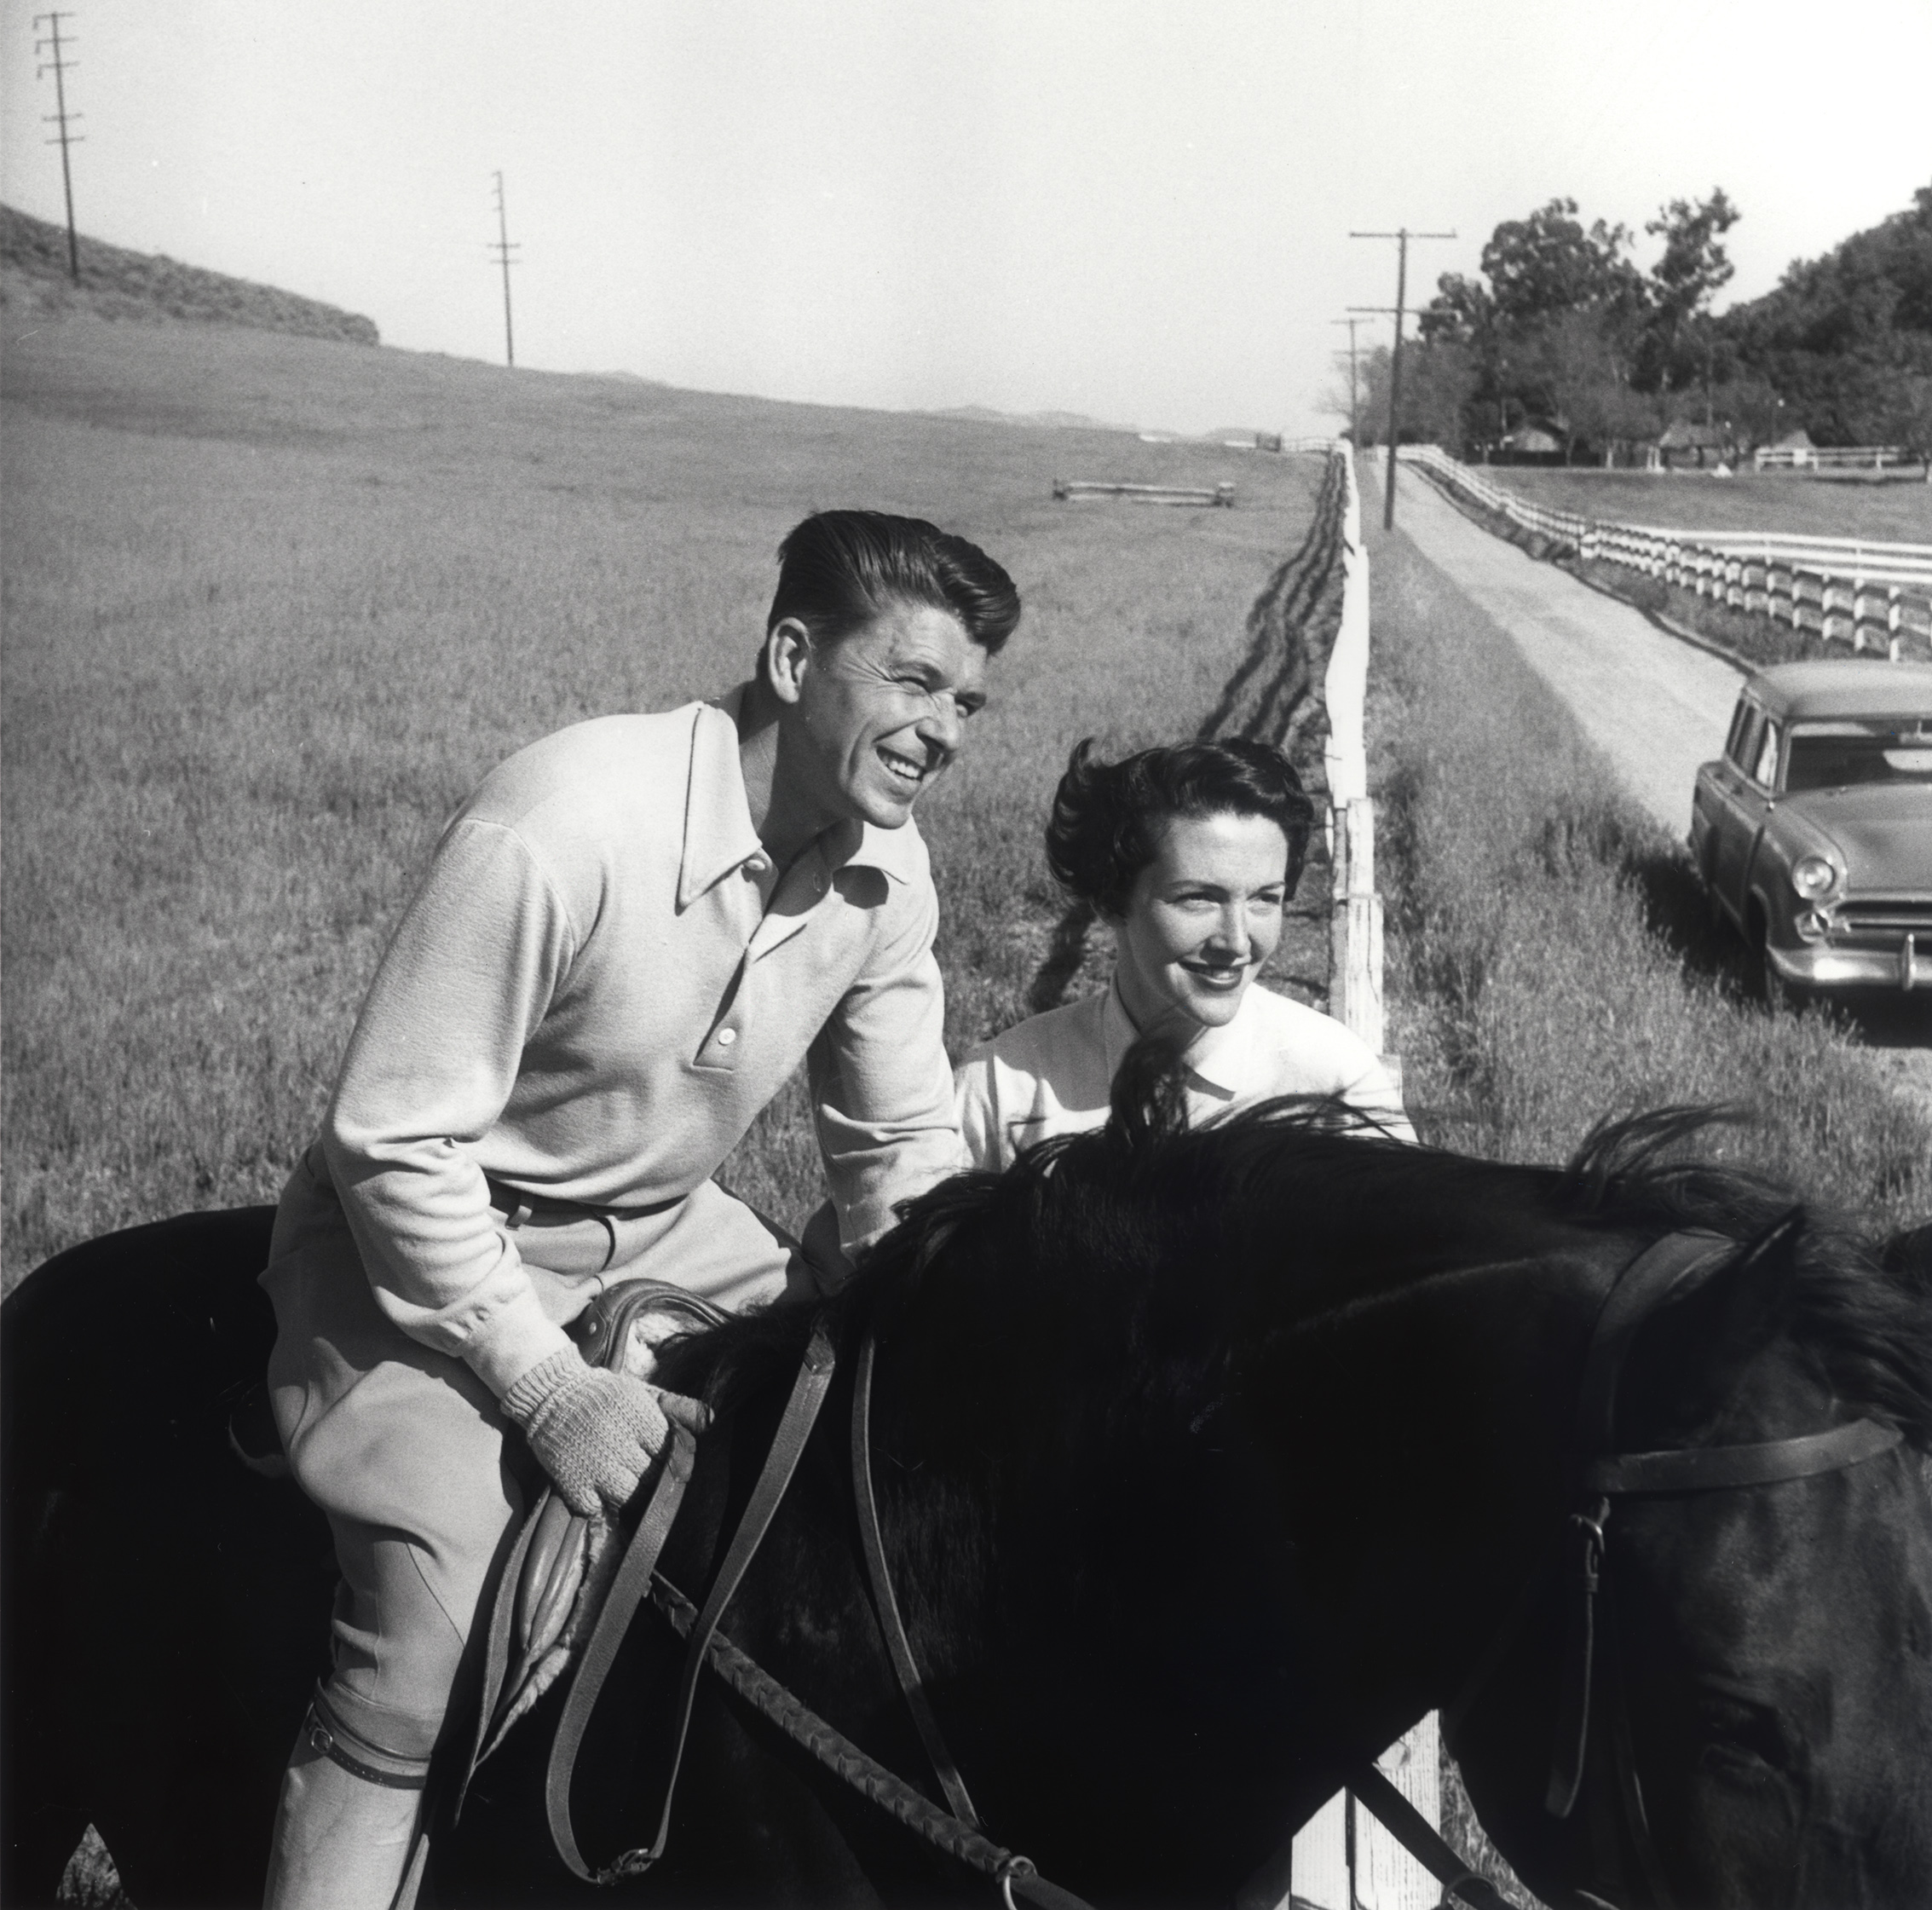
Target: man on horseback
[(628, 939)]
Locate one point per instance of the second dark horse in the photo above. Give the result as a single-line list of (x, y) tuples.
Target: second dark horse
[(1207, 1463)]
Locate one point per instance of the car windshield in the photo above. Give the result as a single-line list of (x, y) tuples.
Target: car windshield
[(1861, 749)]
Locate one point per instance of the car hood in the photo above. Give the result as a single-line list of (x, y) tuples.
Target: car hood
[(1883, 830)]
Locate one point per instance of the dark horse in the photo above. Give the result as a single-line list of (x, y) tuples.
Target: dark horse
[(1207, 1463)]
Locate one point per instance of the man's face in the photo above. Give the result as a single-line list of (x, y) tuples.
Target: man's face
[(876, 717)]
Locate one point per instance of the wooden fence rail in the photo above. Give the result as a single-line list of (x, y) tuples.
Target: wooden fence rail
[(1220, 495), (1870, 595), (1829, 456), (1342, 1858)]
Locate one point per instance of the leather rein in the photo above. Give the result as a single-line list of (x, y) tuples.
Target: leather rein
[(957, 1832), (1671, 1264)]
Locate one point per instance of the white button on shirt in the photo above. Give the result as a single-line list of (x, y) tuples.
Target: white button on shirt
[(1052, 1073), (726, 1037)]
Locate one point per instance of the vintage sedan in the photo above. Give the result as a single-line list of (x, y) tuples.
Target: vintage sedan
[(1813, 831)]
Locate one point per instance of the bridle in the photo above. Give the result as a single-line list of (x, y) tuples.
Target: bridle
[(1671, 1266), (1675, 1263)]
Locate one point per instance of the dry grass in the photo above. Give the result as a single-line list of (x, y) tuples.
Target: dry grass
[(117, 283), (273, 604)]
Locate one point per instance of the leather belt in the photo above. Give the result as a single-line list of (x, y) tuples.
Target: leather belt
[(518, 1205)]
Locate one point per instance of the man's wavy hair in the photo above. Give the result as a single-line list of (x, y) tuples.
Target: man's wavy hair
[(1109, 817), (839, 570)]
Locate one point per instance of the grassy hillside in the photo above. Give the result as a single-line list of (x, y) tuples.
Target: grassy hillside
[(117, 283), (273, 605)]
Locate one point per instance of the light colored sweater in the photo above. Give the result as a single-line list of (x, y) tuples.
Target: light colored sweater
[(599, 985)]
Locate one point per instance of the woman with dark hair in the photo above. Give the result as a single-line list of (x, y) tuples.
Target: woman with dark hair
[(1189, 854)]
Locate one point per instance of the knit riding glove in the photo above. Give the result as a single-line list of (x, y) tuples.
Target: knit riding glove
[(594, 1432)]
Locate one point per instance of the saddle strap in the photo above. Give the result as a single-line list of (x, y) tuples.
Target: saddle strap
[(629, 1586), (634, 1577), (886, 1603), (1420, 1839), (1016, 1875)]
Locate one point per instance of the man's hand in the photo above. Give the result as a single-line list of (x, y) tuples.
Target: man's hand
[(594, 1432)]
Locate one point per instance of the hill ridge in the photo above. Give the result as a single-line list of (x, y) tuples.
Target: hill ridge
[(116, 283)]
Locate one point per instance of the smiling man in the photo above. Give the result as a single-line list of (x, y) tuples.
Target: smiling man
[(628, 939)]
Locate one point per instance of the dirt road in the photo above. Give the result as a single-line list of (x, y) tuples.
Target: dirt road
[(1656, 706)]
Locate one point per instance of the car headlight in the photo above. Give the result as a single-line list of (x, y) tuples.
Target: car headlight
[(1812, 876)]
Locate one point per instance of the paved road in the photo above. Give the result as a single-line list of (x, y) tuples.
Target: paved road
[(1656, 706)]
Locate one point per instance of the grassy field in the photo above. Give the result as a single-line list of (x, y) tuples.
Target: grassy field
[(1898, 511), (273, 605), (1551, 958)]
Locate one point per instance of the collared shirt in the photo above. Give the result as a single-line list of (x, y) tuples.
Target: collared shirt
[(1052, 1075), (600, 985)]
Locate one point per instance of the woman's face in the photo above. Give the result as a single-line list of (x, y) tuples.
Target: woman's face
[(1204, 916)]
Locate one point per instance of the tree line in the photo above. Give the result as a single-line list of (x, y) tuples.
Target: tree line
[(1562, 331)]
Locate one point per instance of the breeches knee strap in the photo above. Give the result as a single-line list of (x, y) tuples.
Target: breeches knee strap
[(405, 1449)]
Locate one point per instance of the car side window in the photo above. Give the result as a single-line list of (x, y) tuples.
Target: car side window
[(1733, 742), (1744, 736), (1767, 770)]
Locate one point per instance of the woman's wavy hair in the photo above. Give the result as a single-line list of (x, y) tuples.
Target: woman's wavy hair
[(1109, 817), (838, 570)]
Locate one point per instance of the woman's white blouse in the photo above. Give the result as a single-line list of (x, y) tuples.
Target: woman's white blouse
[(1052, 1074)]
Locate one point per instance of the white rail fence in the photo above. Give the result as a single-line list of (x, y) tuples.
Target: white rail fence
[(1343, 1858), (1829, 456), (1868, 595)]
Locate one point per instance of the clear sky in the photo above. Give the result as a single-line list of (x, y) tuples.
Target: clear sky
[(1136, 209)]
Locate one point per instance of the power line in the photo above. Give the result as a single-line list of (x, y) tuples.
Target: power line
[(1354, 423), (503, 249), (60, 68), (1402, 237)]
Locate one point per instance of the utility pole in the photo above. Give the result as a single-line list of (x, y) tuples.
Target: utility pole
[(1354, 421), (1402, 239), (52, 42), (503, 249)]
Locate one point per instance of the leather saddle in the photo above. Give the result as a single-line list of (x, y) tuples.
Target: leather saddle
[(563, 1562)]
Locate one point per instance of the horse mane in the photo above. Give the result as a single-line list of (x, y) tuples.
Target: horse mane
[(1147, 1219), (1863, 1306)]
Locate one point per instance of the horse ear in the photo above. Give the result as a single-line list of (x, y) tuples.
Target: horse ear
[(1692, 1355)]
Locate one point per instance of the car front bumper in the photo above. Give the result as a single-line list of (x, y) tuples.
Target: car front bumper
[(1904, 966)]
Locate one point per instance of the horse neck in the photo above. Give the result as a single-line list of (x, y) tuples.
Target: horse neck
[(1425, 1434), (1320, 1523)]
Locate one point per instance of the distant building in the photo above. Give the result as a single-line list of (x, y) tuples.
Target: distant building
[(1685, 447), (1793, 451), (1530, 443)]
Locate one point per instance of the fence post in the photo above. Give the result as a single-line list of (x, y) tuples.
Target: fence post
[(1340, 1860)]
